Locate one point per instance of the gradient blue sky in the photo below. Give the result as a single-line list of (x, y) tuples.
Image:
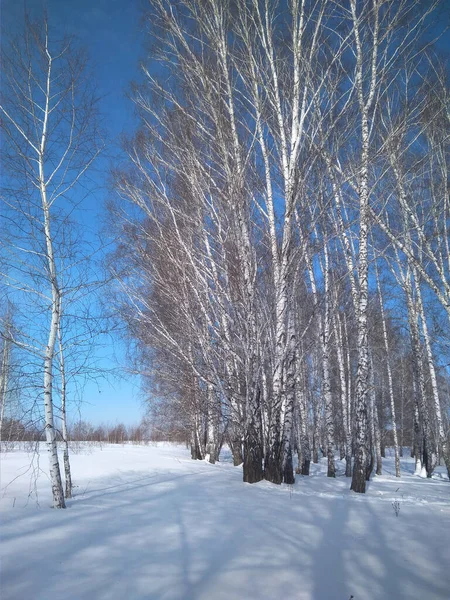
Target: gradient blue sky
[(112, 33)]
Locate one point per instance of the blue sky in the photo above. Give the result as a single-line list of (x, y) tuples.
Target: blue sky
[(112, 33), (110, 30)]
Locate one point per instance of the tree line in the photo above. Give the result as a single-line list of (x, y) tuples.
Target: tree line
[(19, 430)]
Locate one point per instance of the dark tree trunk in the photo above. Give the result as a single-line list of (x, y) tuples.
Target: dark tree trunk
[(305, 467), (272, 464), (195, 452), (348, 465), (315, 452), (299, 458), (316, 434), (253, 458), (427, 460), (288, 471), (369, 465), (236, 451), (331, 472), (67, 473)]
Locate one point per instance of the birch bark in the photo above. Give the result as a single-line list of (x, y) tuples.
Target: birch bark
[(358, 479), (389, 375), (65, 436)]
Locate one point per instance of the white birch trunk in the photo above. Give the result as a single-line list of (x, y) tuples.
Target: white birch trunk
[(303, 425), (443, 443), (4, 375), (389, 376), (329, 416), (417, 441), (211, 429), (358, 480), (66, 459), (287, 432), (429, 457), (54, 471), (379, 470), (343, 393), (374, 423)]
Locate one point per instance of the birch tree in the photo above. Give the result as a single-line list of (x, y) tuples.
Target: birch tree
[(48, 118), (5, 363)]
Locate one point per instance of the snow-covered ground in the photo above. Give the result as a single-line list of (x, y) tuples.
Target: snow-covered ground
[(148, 523)]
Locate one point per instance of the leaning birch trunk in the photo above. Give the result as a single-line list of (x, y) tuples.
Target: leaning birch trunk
[(329, 416), (298, 436), (429, 457), (192, 442), (211, 430), (317, 423), (4, 380), (402, 408), (443, 442), (197, 439), (198, 436), (252, 443), (374, 422), (350, 400), (288, 409), (378, 451), (273, 463), (389, 375), (67, 472), (324, 336), (316, 408), (213, 448), (343, 390), (303, 421), (416, 452), (264, 413)]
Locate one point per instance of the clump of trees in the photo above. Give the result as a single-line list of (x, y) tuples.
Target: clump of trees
[(284, 225)]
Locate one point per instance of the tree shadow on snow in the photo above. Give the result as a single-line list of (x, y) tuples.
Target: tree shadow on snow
[(204, 534)]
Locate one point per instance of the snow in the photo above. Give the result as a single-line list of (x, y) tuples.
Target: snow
[(147, 522)]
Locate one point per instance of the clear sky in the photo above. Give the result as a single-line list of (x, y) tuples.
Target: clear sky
[(112, 33)]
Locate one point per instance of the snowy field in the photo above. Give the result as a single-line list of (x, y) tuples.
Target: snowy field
[(147, 523)]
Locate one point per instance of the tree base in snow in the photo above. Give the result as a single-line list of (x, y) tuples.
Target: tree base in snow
[(272, 468), (252, 468), (288, 471), (236, 451), (359, 478)]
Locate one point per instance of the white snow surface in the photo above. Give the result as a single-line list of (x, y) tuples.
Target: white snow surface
[(147, 522)]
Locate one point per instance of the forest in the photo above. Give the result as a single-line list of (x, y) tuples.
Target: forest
[(277, 247)]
